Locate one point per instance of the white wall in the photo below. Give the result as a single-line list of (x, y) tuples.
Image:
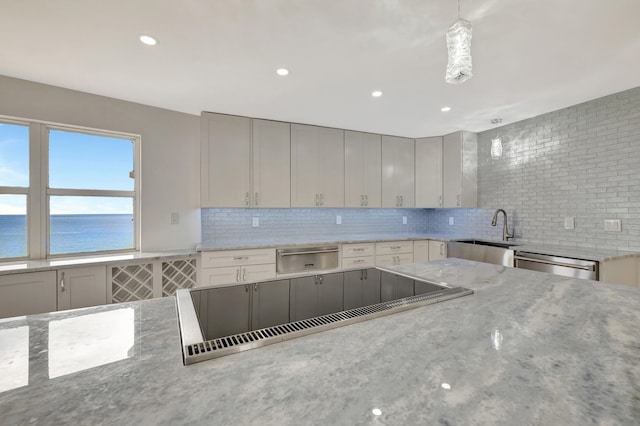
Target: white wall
[(170, 172)]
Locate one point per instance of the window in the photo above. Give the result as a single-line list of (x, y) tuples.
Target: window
[(74, 192)]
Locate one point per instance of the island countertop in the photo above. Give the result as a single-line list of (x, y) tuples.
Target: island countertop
[(526, 348)]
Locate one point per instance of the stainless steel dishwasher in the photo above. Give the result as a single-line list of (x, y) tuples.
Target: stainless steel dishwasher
[(565, 266)]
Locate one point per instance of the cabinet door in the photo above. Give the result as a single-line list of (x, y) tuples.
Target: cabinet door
[(387, 284), (371, 287), (271, 164), (303, 299), (429, 172), (331, 167), (304, 166), (82, 287), (330, 293), (403, 287), (398, 177), (252, 273), (228, 310), (353, 289), (270, 304), (28, 293), (437, 250), (459, 166), (226, 161), (421, 251), (363, 169), (219, 276), (424, 288)]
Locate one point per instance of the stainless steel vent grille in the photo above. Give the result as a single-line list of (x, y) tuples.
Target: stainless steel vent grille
[(216, 348)]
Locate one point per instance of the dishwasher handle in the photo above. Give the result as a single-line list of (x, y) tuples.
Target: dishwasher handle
[(310, 251), (547, 262)]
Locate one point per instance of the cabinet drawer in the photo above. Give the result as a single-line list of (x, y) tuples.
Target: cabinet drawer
[(358, 250), (394, 259), (236, 274), (214, 259), (392, 247), (358, 262)]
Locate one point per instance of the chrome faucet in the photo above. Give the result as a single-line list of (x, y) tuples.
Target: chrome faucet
[(505, 230)]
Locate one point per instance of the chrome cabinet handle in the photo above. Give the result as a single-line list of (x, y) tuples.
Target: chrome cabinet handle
[(240, 257), (321, 199), (320, 278), (246, 289), (441, 249), (244, 275), (440, 200), (361, 275), (246, 198), (62, 282), (401, 200), (358, 249), (358, 261), (458, 200), (366, 200), (238, 275), (256, 198), (255, 287), (366, 275)]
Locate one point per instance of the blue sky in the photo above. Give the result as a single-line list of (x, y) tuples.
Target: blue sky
[(77, 161)]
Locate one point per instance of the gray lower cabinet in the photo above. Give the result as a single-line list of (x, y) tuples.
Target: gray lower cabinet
[(270, 304), (314, 296), (227, 310), (423, 288), (394, 287), (361, 288)]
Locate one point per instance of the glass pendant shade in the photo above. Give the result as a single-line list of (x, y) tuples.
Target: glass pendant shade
[(496, 147), (459, 51)]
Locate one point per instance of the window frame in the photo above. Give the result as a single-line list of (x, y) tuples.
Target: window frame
[(38, 193)]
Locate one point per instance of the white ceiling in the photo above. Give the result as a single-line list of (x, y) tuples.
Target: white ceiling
[(529, 57)]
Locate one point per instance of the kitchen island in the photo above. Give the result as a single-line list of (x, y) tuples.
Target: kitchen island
[(526, 348)]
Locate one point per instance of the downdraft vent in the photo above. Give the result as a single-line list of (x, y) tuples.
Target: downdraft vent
[(216, 348)]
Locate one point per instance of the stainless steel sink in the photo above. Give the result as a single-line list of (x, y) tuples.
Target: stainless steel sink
[(496, 252)]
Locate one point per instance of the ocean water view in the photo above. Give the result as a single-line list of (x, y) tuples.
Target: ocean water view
[(70, 233)]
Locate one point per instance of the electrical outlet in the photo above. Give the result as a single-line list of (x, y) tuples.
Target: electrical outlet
[(255, 222), (569, 223), (451, 221), (614, 225), (404, 220), (338, 220), (175, 218)]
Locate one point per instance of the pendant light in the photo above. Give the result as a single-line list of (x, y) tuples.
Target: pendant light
[(496, 142), (459, 51)]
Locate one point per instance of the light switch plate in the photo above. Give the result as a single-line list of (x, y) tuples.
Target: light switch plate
[(613, 225), (175, 218), (404, 220), (569, 223), (452, 221), (338, 220), (255, 222)]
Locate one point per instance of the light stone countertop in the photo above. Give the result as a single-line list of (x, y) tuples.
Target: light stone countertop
[(526, 348), (305, 240), (19, 267)]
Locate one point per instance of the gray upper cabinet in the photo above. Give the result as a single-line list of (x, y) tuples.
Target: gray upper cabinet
[(270, 304), (225, 161), (271, 152), (460, 170), (244, 162), (398, 176), (317, 166), (429, 172), (363, 169)]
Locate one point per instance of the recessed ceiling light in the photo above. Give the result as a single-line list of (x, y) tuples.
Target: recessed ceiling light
[(376, 411), (376, 94), (445, 109), (282, 71), (148, 40)]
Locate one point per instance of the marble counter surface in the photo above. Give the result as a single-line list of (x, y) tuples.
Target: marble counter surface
[(527, 348), (586, 253), (305, 240), (67, 262)]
